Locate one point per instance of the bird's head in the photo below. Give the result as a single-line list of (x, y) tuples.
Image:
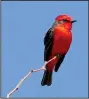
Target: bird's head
[(64, 21)]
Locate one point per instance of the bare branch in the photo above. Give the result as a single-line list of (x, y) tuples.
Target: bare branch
[(28, 74)]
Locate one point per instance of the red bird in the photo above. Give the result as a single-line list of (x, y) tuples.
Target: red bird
[(57, 42)]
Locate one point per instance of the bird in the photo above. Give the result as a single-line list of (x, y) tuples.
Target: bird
[(57, 42)]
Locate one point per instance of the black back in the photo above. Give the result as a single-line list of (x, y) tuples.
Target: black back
[(48, 42)]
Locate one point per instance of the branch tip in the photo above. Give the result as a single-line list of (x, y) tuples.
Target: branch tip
[(28, 74)]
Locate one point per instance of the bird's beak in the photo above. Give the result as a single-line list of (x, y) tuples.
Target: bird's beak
[(74, 21)]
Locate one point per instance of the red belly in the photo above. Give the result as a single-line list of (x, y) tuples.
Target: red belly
[(61, 44)]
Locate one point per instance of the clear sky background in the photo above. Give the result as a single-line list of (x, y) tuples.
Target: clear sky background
[(24, 25)]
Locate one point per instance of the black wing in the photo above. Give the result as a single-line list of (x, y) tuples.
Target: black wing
[(59, 62), (48, 42)]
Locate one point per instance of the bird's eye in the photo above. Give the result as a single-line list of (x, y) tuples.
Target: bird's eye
[(60, 22), (64, 20)]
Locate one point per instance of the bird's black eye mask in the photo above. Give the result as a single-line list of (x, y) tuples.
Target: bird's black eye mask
[(63, 21), (58, 22)]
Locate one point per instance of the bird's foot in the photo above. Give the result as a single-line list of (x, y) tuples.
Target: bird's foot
[(58, 55)]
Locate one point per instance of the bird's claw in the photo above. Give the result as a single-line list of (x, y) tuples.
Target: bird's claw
[(58, 55)]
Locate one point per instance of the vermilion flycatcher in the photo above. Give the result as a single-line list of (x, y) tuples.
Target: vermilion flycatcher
[(57, 42)]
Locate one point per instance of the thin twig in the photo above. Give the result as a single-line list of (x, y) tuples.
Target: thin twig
[(28, 74)]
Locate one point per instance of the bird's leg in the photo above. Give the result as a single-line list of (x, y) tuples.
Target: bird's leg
[(58, 55), (46, 62)]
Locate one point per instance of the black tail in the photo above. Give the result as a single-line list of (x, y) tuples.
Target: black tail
[(47, 78)]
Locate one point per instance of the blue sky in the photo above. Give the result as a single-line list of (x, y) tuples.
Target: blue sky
[(24, 25)]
